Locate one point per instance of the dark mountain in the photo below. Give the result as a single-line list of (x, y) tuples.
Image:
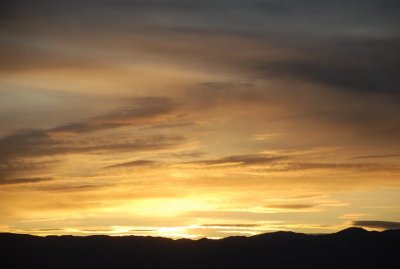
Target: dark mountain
[(350, 248)]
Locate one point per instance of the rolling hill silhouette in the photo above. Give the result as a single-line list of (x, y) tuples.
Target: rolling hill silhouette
[(350, 248)]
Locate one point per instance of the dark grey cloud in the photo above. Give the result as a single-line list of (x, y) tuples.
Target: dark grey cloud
[(15, 157), (283, 18), (365, 65), (139, 111), (150, 142), (38, 143), (23, 181), (15, 148), (379, 224), (30, 142), (19, 168), (142, 111), (347, 44), (7, 10)]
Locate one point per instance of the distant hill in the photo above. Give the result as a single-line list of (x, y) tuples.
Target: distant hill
[(350, 248)]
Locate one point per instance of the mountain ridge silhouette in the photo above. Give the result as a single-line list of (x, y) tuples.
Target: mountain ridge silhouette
[(349, 248)]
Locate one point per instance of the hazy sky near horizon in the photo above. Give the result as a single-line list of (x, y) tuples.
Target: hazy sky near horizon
[(199, 118)]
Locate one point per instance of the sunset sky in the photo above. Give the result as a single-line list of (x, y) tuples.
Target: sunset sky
[(199, 118)]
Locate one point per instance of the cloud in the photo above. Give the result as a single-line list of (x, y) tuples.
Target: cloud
[(232, 215), (170, 125), (371, 69), (72, 187), (11, 168), (143, 110), (324, 113), (244, 160), (18, 150), (225, 93), (321, 73), (132, 164), (299, 166), (231, 225), (287, 163), (143, 230), (378, 156), (264, 16), (25, 143), (39, 143), (377, 224), (23, 181), (188, 154), (291, 206), (94, 230), (49, 229), (145, 143)]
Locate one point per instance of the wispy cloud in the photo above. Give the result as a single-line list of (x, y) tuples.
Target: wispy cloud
[(14, 149), (291, 206), (133, 164), (143, 110), (23, 181), (251, 159), (339, 166), (378, 156), (292, 162), (20, 150), (73, 187), (231, 225), (379, 224)]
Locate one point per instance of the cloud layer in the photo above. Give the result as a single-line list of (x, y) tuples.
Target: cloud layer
[(198, 118)]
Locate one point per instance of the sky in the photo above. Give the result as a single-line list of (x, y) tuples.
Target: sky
[(199, 118)]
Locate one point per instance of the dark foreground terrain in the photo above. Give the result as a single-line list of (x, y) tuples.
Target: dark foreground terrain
[(350, 248)]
